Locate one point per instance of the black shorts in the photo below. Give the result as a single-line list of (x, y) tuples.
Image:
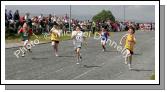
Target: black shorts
[(24, 39), (131, 52), (55, 41)]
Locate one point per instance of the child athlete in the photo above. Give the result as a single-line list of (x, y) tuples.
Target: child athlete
[(104, 37), (130, 41), (78, 38), (25, 32), (55, 37)]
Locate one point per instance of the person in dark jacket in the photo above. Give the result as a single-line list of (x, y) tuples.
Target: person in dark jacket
[(16, 18)]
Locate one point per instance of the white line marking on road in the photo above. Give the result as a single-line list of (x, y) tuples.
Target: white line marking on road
[(50, 73), (86, 72)]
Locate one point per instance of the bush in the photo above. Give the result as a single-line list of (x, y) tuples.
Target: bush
[(103, 16)]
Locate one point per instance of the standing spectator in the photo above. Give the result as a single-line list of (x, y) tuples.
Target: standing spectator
[(26, 17), (16, 17), (50, 23), (10, 17), (6, 15), (22, 20), (6, 19)]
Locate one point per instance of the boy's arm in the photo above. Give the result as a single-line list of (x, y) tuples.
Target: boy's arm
[(30, 31), (85, 40), (108, 34), (20, 31), (134, 38), (73, 35), (132, 41), (50, 32), (123, 39), (60, 32)]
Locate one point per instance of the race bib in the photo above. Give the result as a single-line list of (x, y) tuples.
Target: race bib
[(25, 34), (78, 38)]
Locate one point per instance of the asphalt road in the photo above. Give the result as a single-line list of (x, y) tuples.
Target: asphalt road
[(41, 64)]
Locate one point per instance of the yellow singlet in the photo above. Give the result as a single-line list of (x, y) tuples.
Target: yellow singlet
[(54, 35), (129, 43)]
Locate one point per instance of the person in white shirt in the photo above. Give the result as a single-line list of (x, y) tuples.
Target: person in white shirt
[(78, 39)]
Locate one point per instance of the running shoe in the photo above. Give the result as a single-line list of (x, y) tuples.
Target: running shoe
[(23, 55), (56, 55)]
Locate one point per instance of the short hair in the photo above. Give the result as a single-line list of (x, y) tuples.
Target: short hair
[(130, 27), (104, 26), (78, 26), (56, 24)]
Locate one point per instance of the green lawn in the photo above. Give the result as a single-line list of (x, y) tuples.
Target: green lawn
[(43, 38), (152, 77)]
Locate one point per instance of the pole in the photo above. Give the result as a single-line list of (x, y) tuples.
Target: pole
[(70, 19), (124, 12)]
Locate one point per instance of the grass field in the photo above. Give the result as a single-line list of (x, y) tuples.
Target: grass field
[(45, 38), (41, 38), (152, 77)]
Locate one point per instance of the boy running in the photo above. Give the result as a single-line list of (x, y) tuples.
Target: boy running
[(55, 37), (25, 32), (130, 41), (78, 38), (104, 37)]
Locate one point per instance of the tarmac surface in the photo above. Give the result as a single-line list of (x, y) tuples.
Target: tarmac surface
[(41, 64)]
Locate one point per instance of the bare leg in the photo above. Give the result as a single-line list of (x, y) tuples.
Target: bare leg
[(103, 46), (126, 60), (25, 48), (130, 59), (127, 56), (130, 62), (56, 49), (78, 55)]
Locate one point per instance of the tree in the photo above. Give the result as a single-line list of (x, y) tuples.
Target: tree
[(103, 16)]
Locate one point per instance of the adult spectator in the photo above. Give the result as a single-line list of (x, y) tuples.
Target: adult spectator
[(6, 19), (16, 18), (10, 16)]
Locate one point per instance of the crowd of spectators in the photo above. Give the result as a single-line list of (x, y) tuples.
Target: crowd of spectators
[(41, 24)]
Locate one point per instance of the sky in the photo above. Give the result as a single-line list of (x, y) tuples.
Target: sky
[(140, 13)]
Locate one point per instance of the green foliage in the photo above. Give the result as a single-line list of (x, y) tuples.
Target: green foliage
[(103, 16), (152, 77)]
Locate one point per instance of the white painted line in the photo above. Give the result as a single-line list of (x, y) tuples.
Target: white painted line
[(50, 73), (54, 71), (86, 72), (83, 74)]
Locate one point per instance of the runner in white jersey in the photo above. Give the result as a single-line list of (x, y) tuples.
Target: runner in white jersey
[(78, 39)]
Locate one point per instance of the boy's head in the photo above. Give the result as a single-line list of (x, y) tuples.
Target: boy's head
[(56, 25), (131, 30), (78, 28), (104, 28), (25, 26)]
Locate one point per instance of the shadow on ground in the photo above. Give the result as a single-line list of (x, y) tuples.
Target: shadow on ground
[(90, 66), (66, 56), (138, 70), (38, 58)]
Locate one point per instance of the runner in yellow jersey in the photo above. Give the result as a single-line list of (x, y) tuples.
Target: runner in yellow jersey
[(130, 41), (55, 37)]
